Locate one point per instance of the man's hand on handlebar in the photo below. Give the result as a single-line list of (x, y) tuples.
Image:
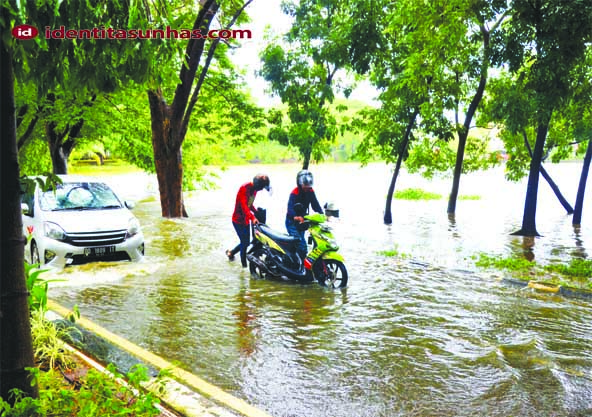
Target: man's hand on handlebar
[(299, 219)]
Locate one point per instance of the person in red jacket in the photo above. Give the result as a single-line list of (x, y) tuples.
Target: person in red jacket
[(244, 215)]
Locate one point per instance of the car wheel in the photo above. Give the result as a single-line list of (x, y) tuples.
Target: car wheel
[(35, 254)]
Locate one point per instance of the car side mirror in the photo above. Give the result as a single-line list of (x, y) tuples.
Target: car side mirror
[(129, 204), (25, 209)]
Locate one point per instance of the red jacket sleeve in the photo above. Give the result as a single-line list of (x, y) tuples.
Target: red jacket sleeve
[(242, 202)]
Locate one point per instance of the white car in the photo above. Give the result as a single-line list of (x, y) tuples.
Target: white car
[(81, 221)]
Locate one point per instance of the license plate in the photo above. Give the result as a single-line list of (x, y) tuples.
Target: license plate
[(99, 251)]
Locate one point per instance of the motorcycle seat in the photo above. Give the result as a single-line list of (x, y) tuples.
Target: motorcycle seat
[(277, 236)]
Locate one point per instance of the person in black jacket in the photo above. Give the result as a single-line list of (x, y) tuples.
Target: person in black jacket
[(301, 198)]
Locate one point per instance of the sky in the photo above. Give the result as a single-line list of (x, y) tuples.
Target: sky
[(266, 15)]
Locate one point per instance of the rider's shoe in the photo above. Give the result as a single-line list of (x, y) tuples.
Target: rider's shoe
[(229, 255)]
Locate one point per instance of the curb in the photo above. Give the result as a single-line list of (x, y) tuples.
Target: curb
[(190, 384)]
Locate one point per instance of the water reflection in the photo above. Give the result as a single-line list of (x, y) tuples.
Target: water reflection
[(417, 335), (246, 321), (579, 251)]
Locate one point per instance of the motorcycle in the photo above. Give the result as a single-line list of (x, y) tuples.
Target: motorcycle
[(274, 254)]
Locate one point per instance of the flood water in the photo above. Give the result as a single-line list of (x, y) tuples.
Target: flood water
[(422, 333)]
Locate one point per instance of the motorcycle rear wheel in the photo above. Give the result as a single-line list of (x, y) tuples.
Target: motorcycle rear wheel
[(330, 273), (255, 269)]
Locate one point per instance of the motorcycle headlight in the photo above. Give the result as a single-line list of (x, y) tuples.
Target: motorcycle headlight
[(133, 228), (53, 231), (331, 242)]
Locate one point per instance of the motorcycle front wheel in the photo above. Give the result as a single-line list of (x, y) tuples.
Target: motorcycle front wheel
[(330, 273)]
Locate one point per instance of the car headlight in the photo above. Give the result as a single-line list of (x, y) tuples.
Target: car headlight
[(53, 231), (133, 228)]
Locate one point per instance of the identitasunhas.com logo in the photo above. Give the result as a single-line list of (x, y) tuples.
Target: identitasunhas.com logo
[(26, 32)]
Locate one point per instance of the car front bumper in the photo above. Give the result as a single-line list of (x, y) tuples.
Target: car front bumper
[(59, 254)]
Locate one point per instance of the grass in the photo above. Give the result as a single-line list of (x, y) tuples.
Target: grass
[(575, 274), (394, 253), (419, 194), (114, 166)]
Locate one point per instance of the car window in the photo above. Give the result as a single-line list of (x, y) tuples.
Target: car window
[(79, 196)]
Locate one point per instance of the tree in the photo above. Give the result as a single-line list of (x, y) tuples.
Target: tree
[(454, 38), (16, 349), (64, 73), (303, 72), (169, 123), (512, 107), (432, 61), (50, 63), (543, 43)]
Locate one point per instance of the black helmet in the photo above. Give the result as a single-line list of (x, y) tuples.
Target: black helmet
[(261, 181), (304, 177)]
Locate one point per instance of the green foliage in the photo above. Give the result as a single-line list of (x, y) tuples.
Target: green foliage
[(37, 288), (416, 194), (469, 197), (394, 253), (430, 157), (302, 86), (73, 65), (303, 74), (577, 273), (576, 268), (547, 84), (513, 107), (511, 264), (419, 194), (48, 342), (99, 395), (34, 158)]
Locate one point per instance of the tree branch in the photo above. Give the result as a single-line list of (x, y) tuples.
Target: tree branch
[(193, 55), (26, 136), (205, 69)]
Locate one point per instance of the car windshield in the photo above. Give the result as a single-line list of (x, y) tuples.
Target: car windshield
[(79, 196)]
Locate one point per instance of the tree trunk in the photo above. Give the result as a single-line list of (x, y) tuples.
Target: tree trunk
[(388, 217), (568, 208), (59, 161), (60, 149), (167, 159), (169, 123), (16, 350), (460, 154), (577, 216), (306, 159), (530, 205), (549, 180), (464, 133)]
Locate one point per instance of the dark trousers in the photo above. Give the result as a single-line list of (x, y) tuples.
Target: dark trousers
[(244, 235), (293, 231)]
